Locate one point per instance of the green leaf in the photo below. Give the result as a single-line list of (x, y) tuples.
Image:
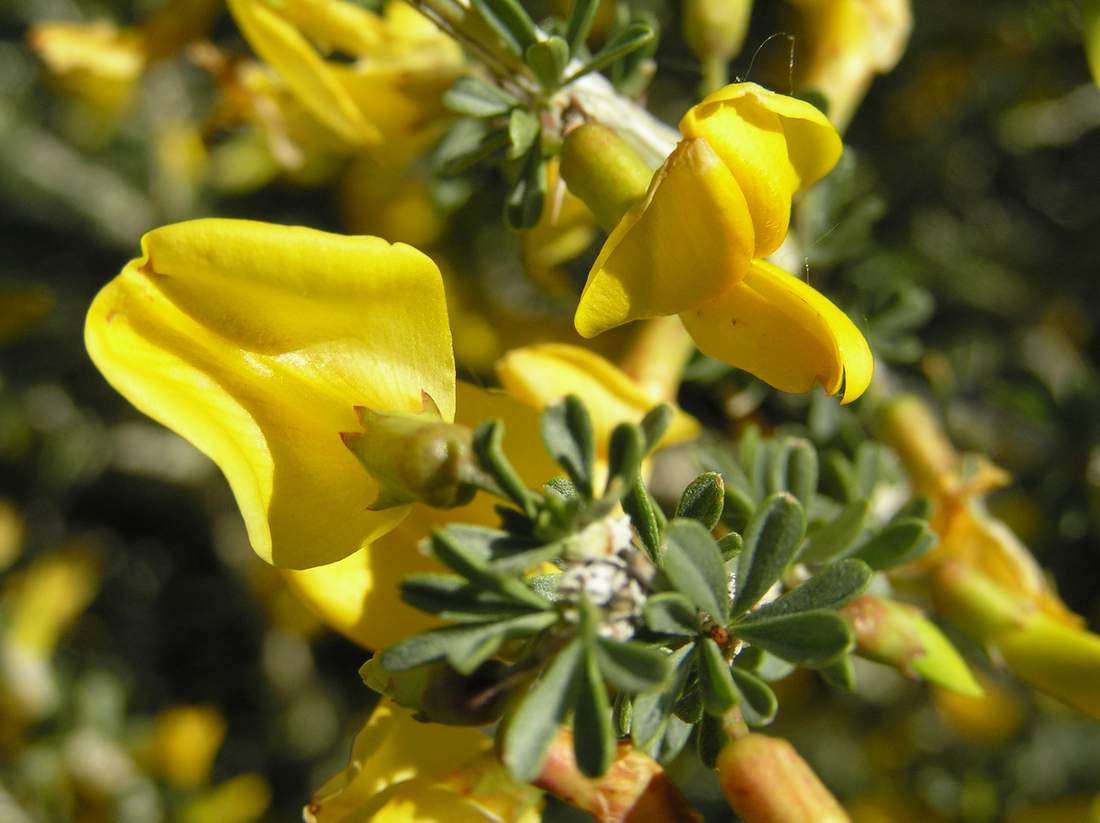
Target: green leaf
[(758, 702), (468, 561), (477, 98), (547, 59), (738, 508), (806, 638), (671, 613), (436, 644), (710, 739), (899, 543), (488, 445), (468, 142), (567, 434), (452, 598), (650, 717), (508, 19), (794, 469), (580, 21), (715, 680), (831, 588), (920, 507), (641, 509), (624, 458), (695, 567), (655, 424), (835, 537), (532, 727), (404, 688), (594, 737), (523, 132), (632, 38), (771, 541), (730, 545), (703, 500), (689, 707), (840, 673), (839, 474), (632, 667), (523, 207)]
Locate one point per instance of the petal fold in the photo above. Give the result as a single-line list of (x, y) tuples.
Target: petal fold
[(690, 239), (785, 332), (255, 342)]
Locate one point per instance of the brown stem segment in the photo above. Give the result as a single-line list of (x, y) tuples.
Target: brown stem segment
[(634, 790)]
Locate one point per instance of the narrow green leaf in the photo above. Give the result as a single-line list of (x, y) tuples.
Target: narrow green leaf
[(632, 667), (731, 545), (477, 98), (689, 707), (672, 741), (511, 23), (703, 500), (840, 673), (754, 455), (488, 445), (523, 132), (532, 727), (835, 585), (807, 638), (715, 681), (652, 710), (839, 475), (899, 543), (710, 740), (641, 510), (655, 424), (624, 457), (468, 562), (452, 598), (771, 541), (794, 469), (547, 59), (434, 645), (593, 735), (566, 428), (758, 702), (581, 17), (835, 537), (523, 207), (468, 142), (920, 507), (632, 38), (694, 564), (671, 613), (737, 509)]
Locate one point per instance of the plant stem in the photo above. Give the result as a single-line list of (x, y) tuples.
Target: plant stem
[(657, 357)]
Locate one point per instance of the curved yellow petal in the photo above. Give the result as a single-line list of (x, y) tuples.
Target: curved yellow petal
[(358, 596), (541, 374), (782, 330), (254, 342), (688, 241), (310, 77), (774, 145), (390, 749)]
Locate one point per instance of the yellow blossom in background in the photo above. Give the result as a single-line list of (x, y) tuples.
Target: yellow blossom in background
[(185, 741), (843, 44), (404, 770), (256, 342), (389, 94)]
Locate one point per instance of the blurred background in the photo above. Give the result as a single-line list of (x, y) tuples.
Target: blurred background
[(152, 668)]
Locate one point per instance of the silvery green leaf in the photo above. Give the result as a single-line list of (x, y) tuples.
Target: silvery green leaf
[(772, 538), (834, 586), (671, 613), (835, 537), (703, 500), (901, 542), (477, 98), (807, 638), (758, 702), (695, 567), (715, 681), (511, 23), (593, 735), (632, 667)]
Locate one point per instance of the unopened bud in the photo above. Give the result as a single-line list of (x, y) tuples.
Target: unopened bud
[(715, 31), (898, 635), (415, 458), (601, 169), (766, 781)]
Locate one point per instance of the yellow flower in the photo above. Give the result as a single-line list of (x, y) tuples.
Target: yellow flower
[(402, 770), (390, 93), (689, 245), (255, 342)]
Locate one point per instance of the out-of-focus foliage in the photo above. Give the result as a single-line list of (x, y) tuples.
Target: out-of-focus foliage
[(152, 668)]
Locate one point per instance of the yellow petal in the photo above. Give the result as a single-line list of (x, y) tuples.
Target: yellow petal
[(358, 596), (254, 342), (185, 742), (780, 329), (688, 241), (541, 374), (284, 47), (773, 144), (390, 749), (107, 53)]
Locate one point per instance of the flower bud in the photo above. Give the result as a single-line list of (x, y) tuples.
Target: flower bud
[(415, 458), (715, 31), (454, 699), (766, 781)]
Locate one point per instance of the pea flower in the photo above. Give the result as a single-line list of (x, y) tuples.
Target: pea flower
[(691, 244), (256, 343)]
